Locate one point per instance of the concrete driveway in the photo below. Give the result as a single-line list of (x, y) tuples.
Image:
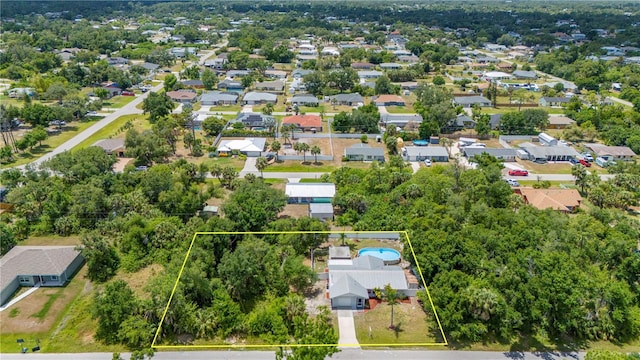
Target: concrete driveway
[(347, 329)]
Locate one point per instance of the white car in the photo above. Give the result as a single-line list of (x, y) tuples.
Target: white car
[(513, 182), (427, 162)]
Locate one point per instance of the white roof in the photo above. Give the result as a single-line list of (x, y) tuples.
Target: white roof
[(325, 190), (248, 144)]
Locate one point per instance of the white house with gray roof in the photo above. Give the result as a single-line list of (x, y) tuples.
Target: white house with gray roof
[(549, 153), (508, 155), (352, 282), (256, 98), (37, 266), (469, 101), (219, 98), (352, 99), (364, 152), (421, 153)]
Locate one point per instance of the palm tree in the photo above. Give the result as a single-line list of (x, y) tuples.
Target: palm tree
[(304, 147), (261, 164), (390, 295), (580, 173), (275, 146), (315, 151)]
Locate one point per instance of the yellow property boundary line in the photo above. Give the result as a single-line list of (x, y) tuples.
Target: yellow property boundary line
[(230, 346)]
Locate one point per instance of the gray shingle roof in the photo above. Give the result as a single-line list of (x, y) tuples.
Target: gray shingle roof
[(470, 100), (363, 149), (215, 96), (35, 260), (346, 285), (259, 96), (470, 152)]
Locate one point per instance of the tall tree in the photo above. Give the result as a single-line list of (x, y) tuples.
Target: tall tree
[(102, 258)]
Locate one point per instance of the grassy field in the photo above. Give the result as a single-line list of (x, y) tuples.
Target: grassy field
[(118, 101), (234, 108), (234, 162), (52, 142), (108, 131), (549, 168), (297, 166), (372, 327), (400, 110)]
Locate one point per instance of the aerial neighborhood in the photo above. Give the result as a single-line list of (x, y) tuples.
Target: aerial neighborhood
[(320, 180)]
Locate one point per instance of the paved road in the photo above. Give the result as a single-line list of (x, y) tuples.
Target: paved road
[(347, 354), (130, 108)]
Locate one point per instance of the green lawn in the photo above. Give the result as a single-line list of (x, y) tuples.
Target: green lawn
[(400, 110), (410, 321), (52, 142), (297, 166), (118, 101), (235, 108), (108, 131), (234, 162)]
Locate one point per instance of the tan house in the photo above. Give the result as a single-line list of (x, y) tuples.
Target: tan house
[(560, 122), (563, 200), (183, 97)]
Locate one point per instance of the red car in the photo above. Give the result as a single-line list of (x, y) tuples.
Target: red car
[(585, 163), (518, 172)]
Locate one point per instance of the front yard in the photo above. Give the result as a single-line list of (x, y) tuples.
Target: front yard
[(411, 326)]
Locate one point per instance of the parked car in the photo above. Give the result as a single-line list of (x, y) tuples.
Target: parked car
[(92, 113), (585, 163), (540, 161), (518, 172), (427, 162), (58, 123), (513, 182), (573, 161), (127, 93), (587, 156), (142, 168)]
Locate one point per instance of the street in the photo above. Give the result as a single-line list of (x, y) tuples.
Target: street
[(343, 355)]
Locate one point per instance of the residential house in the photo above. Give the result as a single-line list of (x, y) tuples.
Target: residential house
[(353, 99), (183, 96), (307, 193), (275, 74), (496, 75), (252, 147), (390, 66), (300, 73), (421, 153), (232, 74), (196, 84), (230, 85), (388, 100), (305, 100), (256, 120), (364, 152), (150, 67), (548, 153), (563, 200), (400, 120), (256, 98), (525, 75), (112, 91), (362, 66), (494, 121), (17, 93), (408, 85), (469, 101), (507, 155), (275, 85), (311, 123), (219, 98), (460, 122), (37, 266), (611, 153), (549, 101), (409, 59), (352, 282), (117, 61), (560, 122), (369, 74), (111, 146)]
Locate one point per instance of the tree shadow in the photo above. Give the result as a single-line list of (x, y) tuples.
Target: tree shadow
[(397, 329), (318, 163)]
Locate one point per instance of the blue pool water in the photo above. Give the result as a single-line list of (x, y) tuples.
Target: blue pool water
[(390, 256), (420, 142)]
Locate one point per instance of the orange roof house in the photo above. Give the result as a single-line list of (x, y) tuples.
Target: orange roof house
[(304, 122), (564, 200)]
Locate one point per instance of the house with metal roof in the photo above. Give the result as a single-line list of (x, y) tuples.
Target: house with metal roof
[(549, 153), (352, 283), (219, 98), (421, 153), (306, 193), (364, 152), (507, 155), (321, 211), (469, 101), (305, 100), (251, 147), (256, 98), (37, 266), (352, 99)]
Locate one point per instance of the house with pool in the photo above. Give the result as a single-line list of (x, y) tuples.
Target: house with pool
[(351, 282)]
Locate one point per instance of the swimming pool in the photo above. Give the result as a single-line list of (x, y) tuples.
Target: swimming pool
[(390, 256), (420, 142)]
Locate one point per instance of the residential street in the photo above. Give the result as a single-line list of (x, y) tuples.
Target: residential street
[(350, 354)]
